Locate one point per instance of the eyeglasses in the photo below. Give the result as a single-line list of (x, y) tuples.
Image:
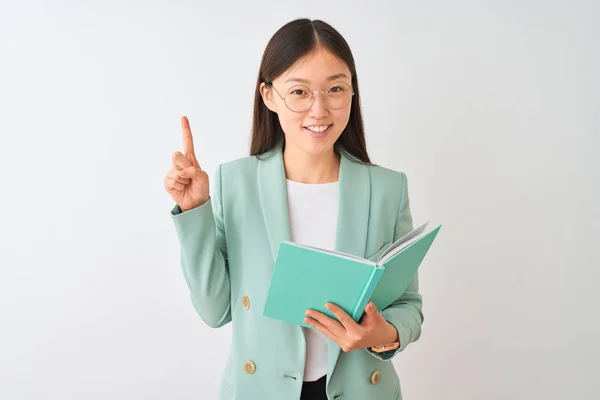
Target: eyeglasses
[(300, 98)]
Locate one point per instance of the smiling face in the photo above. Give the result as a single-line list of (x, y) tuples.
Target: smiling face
[(316, 129)]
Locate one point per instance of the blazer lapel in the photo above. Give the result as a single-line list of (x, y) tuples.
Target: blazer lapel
[(353, 207), (272, 191)]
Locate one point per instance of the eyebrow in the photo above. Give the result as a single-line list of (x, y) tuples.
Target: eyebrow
[(329, 78)]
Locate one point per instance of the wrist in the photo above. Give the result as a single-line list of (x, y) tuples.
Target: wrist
[(392, 340), (392, 334), (203, 202)]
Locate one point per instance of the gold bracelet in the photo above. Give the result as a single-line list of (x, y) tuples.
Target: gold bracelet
[(385, 347)]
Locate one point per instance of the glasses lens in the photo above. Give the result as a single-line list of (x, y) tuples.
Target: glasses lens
[(338, 96), (299, 98)]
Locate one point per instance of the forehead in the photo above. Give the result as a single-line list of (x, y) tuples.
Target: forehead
[(316, 67)]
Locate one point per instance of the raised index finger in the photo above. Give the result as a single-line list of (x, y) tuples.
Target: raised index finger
[(188, 140)]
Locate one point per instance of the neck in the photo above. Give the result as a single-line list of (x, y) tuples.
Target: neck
[(311, 168)]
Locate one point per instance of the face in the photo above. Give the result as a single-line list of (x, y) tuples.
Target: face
[(319, 71)]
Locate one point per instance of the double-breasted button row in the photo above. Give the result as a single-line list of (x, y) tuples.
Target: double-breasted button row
[(376, 377), (249, 367), (246, 302)]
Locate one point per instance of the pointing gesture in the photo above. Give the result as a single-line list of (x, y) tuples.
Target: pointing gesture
[(188, 142), (186, 182)]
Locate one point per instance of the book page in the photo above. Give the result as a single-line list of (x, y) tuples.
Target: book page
[(400, 243), (337, 253)]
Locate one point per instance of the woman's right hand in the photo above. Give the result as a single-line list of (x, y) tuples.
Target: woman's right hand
[(186, 182)]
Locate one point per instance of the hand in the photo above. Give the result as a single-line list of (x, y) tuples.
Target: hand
[(373, 329), (186, 182)]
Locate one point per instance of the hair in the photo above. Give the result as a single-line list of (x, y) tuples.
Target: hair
[(289, 44)]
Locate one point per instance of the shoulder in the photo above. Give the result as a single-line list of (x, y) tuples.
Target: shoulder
[(239, 168), (385, 176), (378, 174), (234, 178), (240, 163), (388, 184), (383, 179), (388, 187)]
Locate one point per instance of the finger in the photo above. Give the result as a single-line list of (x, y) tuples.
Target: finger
[(345, 319), (370, 311), (331, 324), (371, 308), (172, 184), (175, 175), (192, 173), (188, 140), (180, 161), (323, 329)]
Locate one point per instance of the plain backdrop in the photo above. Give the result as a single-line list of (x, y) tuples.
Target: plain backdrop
[(490, 107)]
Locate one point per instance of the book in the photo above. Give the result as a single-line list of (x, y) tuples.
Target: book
[(306, 277)]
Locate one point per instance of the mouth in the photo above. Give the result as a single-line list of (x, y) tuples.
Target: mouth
[(318, 131)]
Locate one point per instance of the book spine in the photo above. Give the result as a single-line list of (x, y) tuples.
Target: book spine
[(367, 292)]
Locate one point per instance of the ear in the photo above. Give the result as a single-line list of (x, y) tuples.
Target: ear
[(266, 93)]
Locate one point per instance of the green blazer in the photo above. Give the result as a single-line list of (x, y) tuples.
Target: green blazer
[(228, 249)]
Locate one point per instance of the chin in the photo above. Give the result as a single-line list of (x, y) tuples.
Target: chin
[(318, 147)]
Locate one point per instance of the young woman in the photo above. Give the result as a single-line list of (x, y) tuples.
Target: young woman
[(308, 179)]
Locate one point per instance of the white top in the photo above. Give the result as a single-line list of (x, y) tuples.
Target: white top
[(313, 212)]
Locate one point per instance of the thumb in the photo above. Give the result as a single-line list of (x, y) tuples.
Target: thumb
[(371, 309)]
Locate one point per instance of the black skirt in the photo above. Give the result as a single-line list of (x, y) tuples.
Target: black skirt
[(314, 390)]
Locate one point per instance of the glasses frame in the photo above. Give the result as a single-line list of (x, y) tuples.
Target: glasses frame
[(312, 96)]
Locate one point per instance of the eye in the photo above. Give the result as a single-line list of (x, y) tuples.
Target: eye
[(298, 92), (336, 89)]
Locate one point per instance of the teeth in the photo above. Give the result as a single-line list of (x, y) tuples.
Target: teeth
[(317, 128)]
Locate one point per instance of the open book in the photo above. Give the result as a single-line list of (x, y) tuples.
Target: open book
[(306, 277)]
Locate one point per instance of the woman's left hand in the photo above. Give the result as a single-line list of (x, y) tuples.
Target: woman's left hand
[(373, 329)]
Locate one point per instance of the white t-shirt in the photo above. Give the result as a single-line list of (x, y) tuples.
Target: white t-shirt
[(313, 210)]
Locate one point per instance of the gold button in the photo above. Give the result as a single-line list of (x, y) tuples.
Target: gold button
[(249, 367), (375, 377), (246, 302)]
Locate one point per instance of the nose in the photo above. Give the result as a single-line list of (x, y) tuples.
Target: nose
[(318, 109)]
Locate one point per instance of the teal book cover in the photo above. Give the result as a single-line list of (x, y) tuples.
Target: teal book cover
[(307, 278), (401, 261)]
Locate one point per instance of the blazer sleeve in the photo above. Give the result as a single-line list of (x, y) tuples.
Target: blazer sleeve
[(406, 313), (202, 238)]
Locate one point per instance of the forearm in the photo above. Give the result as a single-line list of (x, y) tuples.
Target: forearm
[(204, 264)]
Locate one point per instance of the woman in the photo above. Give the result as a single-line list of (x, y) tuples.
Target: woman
[(308, 179)]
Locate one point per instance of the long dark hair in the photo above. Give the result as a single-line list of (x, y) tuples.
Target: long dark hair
[(290, 43)]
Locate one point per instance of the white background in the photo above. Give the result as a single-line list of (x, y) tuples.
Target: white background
[(491, 108)]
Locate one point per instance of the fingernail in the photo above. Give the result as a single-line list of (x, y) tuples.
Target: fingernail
[(182, 173)]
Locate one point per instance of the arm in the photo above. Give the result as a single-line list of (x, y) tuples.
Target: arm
[(202, 238), (405, 314)]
